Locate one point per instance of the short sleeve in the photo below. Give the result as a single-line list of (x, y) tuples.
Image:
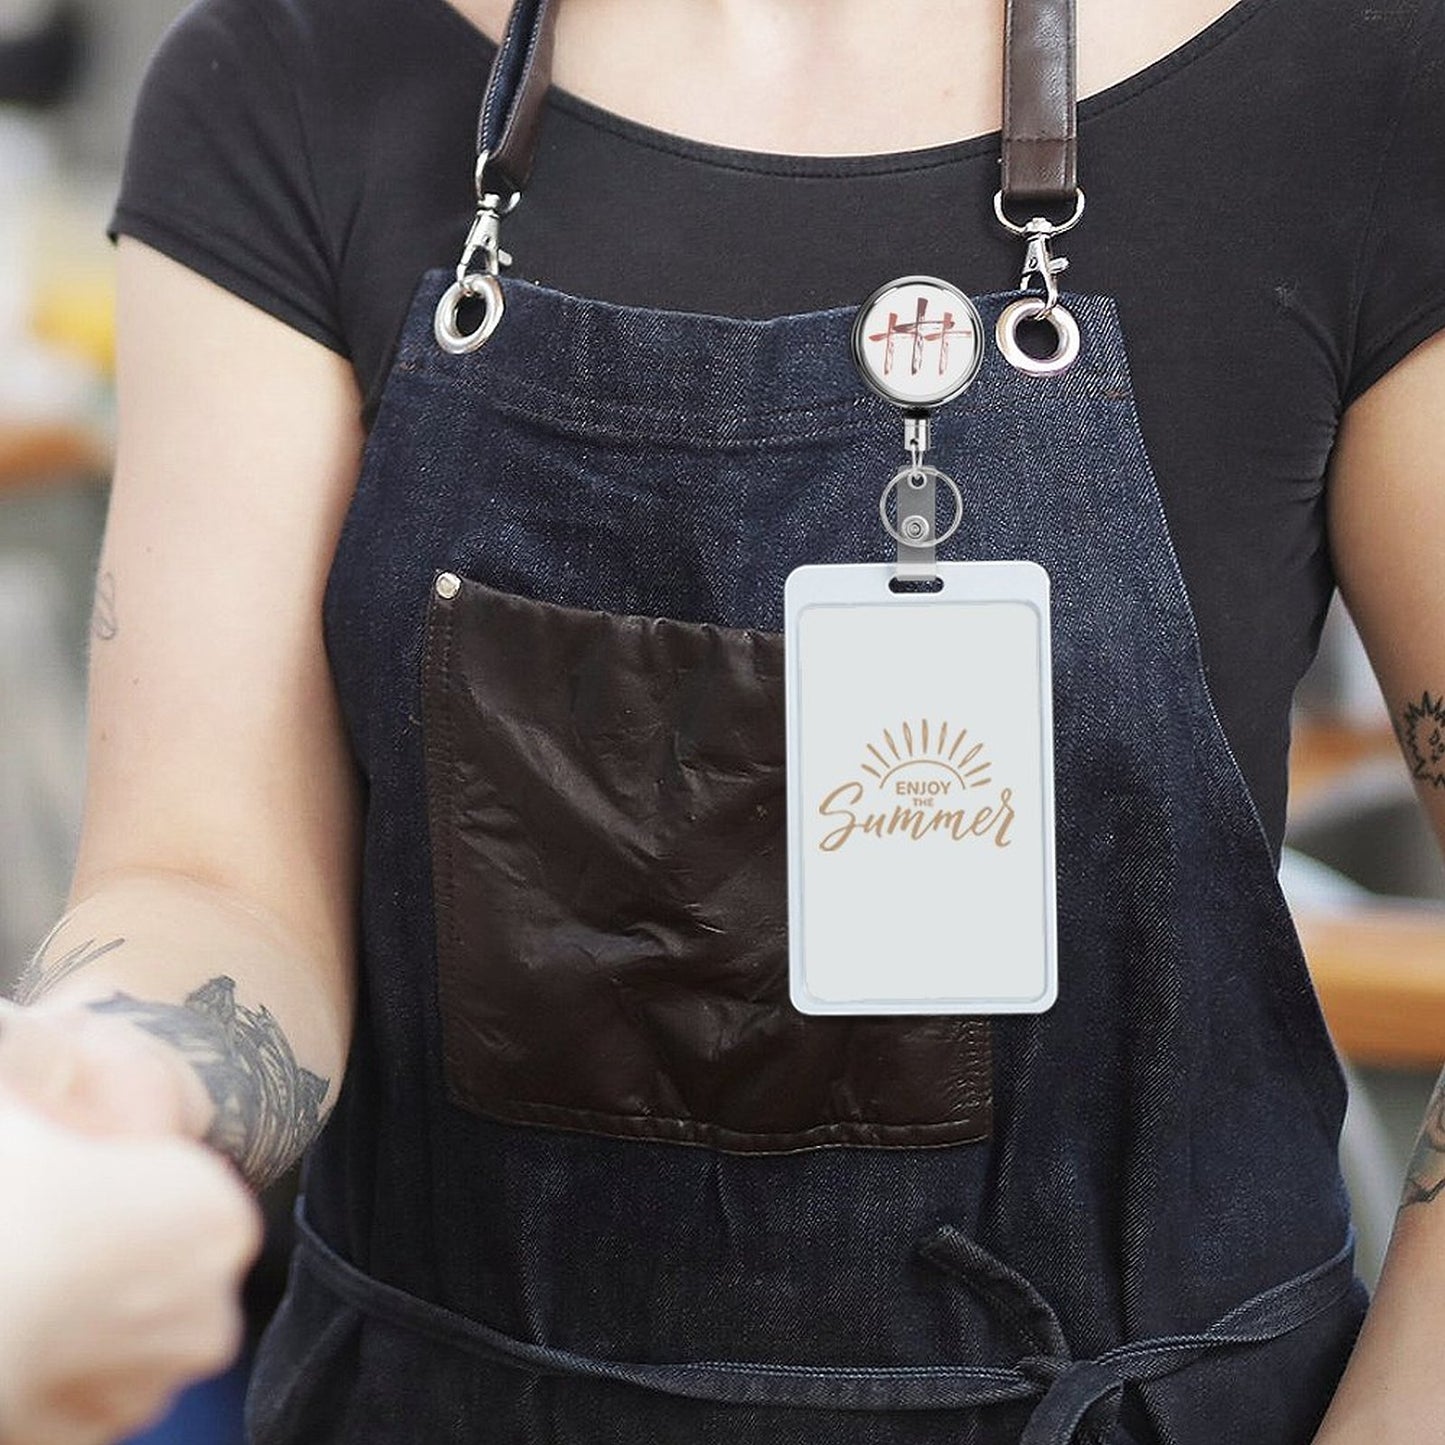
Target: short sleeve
[(1400, 286), (217, 171)]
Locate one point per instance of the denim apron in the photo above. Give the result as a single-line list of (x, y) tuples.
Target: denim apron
[(591, 1180)]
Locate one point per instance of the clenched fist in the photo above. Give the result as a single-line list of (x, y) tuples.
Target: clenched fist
[(120, 1263), (97, 1074)]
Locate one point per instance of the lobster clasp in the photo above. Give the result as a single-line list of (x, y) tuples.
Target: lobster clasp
[(1040, 261), (485, 236), (484, 239), (1038, 234)]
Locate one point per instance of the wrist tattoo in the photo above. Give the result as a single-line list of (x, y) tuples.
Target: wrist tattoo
[(43, 972), (268, 1108), (1425, 1178), (1421, 727)]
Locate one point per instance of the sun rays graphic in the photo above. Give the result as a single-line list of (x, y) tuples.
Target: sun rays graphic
[(941, 747)]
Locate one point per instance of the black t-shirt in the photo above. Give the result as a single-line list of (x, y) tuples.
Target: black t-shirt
[(1266, 204)]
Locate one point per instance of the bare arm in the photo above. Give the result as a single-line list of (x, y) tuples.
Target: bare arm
[(1387, 527), (200, 971), (213, 901)]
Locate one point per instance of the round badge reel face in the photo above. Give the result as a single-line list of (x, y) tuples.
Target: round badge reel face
[(918, 342)]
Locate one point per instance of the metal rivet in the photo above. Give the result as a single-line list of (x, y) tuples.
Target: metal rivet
[(448, 585)]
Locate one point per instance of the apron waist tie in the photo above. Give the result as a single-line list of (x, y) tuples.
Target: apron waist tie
[(1065, 1388)]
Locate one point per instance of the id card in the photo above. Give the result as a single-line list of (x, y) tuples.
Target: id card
[(920, 791)]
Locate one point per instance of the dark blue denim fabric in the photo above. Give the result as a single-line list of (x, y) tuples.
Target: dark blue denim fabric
[(1164, 1146)]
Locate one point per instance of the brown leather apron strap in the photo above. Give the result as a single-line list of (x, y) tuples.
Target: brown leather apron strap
[(1040, 144), (512, 104)]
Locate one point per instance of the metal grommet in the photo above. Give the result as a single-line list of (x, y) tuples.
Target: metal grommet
[(476, 285), (1035, 308), (906, 473), (448, 584)]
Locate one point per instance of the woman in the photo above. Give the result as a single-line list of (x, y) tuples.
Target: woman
[(555, 1183)]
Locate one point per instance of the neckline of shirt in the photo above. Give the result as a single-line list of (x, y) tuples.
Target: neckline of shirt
[(825, 167)]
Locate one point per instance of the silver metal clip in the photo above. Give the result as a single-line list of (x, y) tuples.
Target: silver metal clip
[(917, 507), (917, 436), (1041, 262), (1039, 233), (484, 240), (914, 488), (485, 237)]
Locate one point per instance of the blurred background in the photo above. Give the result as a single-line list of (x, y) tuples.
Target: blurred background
[(69, 70), (1362, 873)]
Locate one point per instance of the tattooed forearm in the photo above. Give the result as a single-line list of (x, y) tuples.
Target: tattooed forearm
[(43, 972), (103, 624), (1421, 726), (1425, 1179), (268, 1108)]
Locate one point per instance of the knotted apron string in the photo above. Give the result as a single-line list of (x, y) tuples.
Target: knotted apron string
[(1066, 1388), (1070, 1387)]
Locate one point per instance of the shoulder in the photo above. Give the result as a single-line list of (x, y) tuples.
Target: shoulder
[(296, 23), (1378, 47), (354, 82), (330, 49), (1347, 47), (290, 150), (1400, 272), (232, 127), (1356, 55), (214, 36)]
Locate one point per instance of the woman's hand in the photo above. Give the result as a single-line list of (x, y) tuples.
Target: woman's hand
[(97, 1074), (120, 1262)]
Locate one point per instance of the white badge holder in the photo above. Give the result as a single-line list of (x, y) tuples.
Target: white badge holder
[(920, 730), (920, 791)]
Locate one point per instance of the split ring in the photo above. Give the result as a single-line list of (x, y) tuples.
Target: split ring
[(906, 473), (1036, 308), (478, 286)]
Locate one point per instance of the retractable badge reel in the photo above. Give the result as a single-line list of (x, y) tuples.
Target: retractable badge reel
[(920, 769), (920, 758)]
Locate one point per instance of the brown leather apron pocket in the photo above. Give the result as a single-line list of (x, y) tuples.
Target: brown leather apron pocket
[(607, 810)]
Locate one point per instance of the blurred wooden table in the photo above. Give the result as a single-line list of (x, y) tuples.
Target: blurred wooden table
[(1379, 968), (1322, 754), (1380, 974), (44, 453)]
